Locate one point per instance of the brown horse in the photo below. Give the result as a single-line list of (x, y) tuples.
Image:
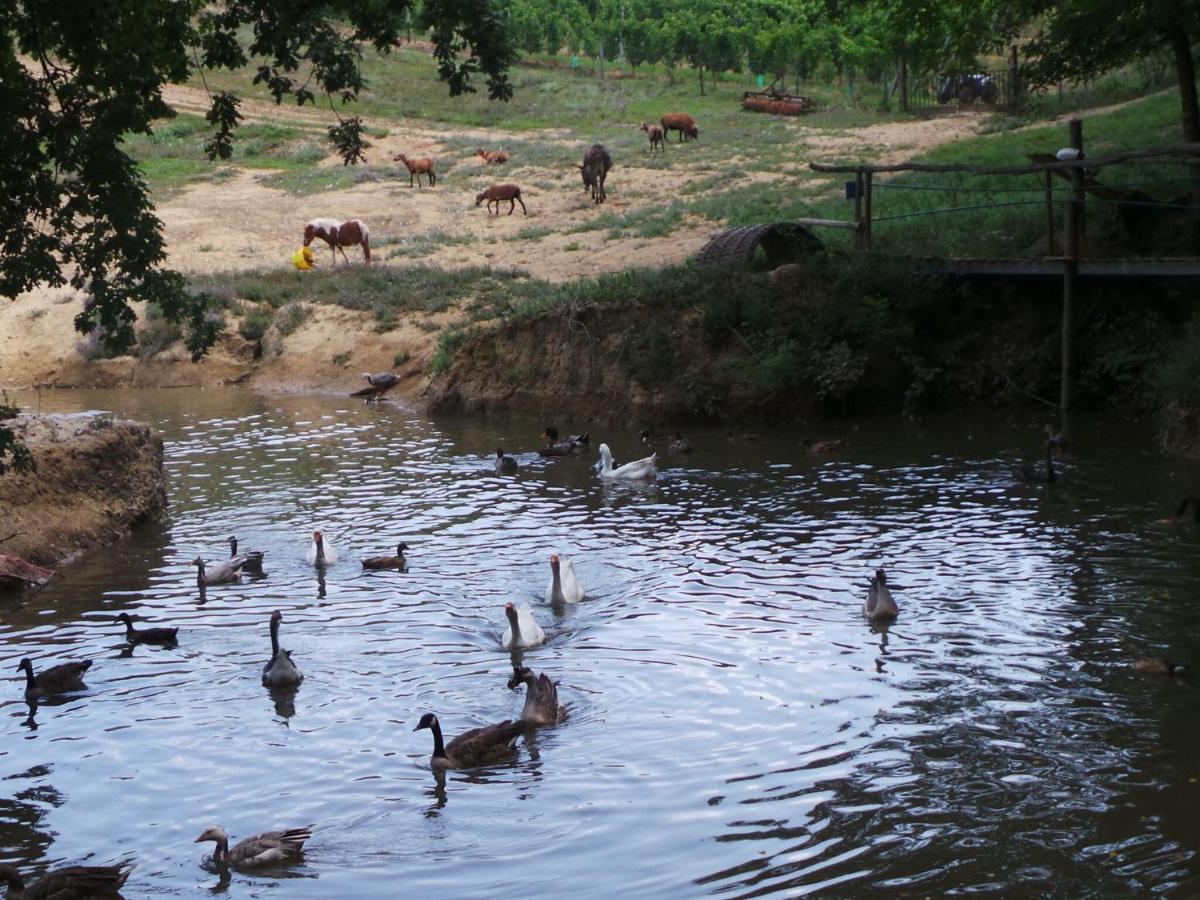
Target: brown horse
[(338, 235)]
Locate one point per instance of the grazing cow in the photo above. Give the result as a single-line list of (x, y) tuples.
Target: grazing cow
[(681, 122), (594, 169), (338, 235)]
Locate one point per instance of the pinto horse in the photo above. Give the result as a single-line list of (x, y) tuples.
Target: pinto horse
[(338, 235)]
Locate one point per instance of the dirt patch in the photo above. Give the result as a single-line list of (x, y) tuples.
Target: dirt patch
[(441, 226), (96, 477)]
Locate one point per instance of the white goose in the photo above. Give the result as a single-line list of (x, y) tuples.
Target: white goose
[(638, 470), (280, 671), (523, 630), (564, 587), (320, 551)]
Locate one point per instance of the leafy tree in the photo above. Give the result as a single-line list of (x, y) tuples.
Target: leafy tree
[(75, 77), (1081, 39)]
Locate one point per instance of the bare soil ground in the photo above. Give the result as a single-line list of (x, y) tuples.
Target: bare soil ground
[(243, 223)]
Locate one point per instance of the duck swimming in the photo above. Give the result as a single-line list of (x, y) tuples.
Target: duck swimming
[(279, 671), (564, 587), (56, 680), (505, 465), (476, 747), (879, 605), (387, 562), (523, 630), (320, 551), (266, 849), (555, 447), (1034, 474), (541, 697), (638, 470)]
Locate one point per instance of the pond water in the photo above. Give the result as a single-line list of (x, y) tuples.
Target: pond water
[(736, 728)]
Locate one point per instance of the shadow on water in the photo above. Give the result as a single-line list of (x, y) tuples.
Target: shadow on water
[(736, 726)]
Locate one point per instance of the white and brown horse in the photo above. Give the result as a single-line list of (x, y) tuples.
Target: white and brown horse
[(338, 235)]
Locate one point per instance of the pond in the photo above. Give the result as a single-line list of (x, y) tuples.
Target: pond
[(735, 726)]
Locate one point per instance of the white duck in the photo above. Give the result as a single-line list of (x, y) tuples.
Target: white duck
[(564, 587), (638, 470), (320, 551), (279, 671), (523, 630)]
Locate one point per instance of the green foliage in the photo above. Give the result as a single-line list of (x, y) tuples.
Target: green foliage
[(14, 455), (75, 206), (401, 358), (255, 323), (448, 342), (156, 336)]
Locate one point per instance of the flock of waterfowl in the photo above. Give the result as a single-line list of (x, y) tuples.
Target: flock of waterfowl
[(476, 747)]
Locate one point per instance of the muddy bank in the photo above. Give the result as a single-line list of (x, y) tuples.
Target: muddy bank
[(96, 478)]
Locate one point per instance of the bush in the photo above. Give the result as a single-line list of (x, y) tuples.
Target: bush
[(156, 337), (254, 324)]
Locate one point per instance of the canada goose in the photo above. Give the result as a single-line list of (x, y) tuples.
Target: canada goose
[(266, 849), (55, 680), (638, 470), (564, 587), (320, 551), (70, 882), (254, 558), (565, 447), (1154, 665), (505, 465), (279, 671), (822, 446), (228, 571), (523, 630), (146, 635), (541, 697), (387, 562), (1035, 474), (879, 605), (476, 747), (377, 385)]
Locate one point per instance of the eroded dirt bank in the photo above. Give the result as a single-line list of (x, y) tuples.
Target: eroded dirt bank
[(96, 478)]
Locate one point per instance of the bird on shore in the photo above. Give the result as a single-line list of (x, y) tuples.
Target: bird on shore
[(377, 385), (254, 558), (267, 849), (638, 470), (388, 562), (146, 635), (321, 552), (541, 697), (523, 630), (56, 680), (564, 587), (227, 571), (279, 671), (505, 465), (565, 447), (70, 882), (476, 747), (879, 605), (1033, 473)]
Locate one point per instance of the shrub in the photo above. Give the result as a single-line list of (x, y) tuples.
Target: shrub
[(254, 324)]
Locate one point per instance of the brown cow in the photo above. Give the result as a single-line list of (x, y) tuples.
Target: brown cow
[(681, 122)]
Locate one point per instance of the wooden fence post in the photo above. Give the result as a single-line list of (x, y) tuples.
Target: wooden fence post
[(858, 208), (1050, 243), (903, 85), (866, 221), (1014, 80)]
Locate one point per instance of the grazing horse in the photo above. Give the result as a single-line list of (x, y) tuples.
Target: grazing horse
[(594, 169), (338, 235)]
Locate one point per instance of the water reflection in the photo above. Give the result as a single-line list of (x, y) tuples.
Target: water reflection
[(736, 726)]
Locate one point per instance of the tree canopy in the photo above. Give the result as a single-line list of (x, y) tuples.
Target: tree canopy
[(76, 77)]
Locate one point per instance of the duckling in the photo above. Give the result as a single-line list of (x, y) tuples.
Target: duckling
[(1032, 473), (523, 630), (822, 446), (321, 553), (279, 671), (1154, 665), (254, 558), (879, 605), (555, 447), (541, 697), (679, 444), (70, 882), (388, 562), (505, 465), (226, 572), (55, 680), (476, 747), (266, 849), (146, 635)]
